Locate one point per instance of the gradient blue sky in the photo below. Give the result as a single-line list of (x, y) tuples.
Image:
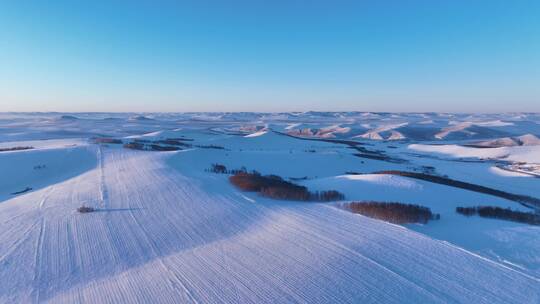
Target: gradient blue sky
[(458, 56)]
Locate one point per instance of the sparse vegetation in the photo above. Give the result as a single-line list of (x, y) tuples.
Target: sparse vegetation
[(524, 199), (16, 148), (134, 146), (428, 170), (393, 212), (375, 155), (148, 146), (182, 138), (163, 148), (141, 140), (274, 186), (169, 144), (107, 140), (501, 213), (173, 142)]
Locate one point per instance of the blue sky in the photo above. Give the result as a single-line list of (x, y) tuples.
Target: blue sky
[(458, 56)]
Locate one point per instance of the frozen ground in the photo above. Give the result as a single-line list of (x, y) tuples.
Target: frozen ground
[(168, 231)]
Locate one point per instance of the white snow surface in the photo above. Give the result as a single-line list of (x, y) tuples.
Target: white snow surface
[(167, 231), (168, 237), (517, 153)]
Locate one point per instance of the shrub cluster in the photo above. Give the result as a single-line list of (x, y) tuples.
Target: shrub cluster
[(221, 169), (85, 209), (392, 212), (274, 186), (501, 213)]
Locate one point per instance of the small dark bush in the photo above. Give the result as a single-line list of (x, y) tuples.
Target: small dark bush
[(392, 212), (218, 168), (85, 209), (501, 213)]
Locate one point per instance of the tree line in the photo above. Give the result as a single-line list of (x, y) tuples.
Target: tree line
[(501, 213), (275, 187), (393, 212)]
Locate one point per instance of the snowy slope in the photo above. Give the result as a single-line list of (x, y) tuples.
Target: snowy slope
[(167, 231), (167, 236)]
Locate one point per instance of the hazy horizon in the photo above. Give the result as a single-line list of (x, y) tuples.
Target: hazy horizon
[(275, 112)]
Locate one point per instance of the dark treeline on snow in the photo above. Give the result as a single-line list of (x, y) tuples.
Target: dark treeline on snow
[(149, 147), (15, 149), (501, 213), (392, 212), (464, 185), (274, 186)]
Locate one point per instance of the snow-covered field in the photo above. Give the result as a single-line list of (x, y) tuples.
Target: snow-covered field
[(166, 230)]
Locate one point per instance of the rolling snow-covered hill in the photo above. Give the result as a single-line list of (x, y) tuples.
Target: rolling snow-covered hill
[(167, 231)]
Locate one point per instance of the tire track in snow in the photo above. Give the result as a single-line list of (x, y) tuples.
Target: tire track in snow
[(15, 245), (39, 247), (45, 197), (226, 265), (204, 251), (103, 190), (37, 262), (312, 232), (308, 231), (174, 279), (25, 235)]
